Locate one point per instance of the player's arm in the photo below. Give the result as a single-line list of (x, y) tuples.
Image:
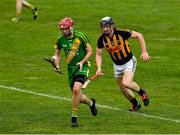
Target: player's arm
[(89, 52), (140, 38), (98, 61), (57, 60), (87, 56)]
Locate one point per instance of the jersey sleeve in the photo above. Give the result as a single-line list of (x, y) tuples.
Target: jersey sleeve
[(85, 40), (57, 45), (100, 43), (125, 33)]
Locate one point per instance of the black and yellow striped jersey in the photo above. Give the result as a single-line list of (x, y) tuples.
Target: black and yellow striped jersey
[(117, 46)]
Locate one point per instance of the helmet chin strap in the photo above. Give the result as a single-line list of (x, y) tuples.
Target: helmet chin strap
[(107, 33), (111, 31)]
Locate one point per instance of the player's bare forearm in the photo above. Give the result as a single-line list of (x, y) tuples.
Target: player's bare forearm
[(57, 60), (142, 43), (98, 58), (89, 53), (140, 39), (144, 54), (98, 62)]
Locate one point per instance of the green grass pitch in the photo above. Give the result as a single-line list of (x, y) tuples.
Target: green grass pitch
[(34, 99)]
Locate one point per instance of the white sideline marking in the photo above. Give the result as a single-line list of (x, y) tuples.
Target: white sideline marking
[(101, 106), (166, 39)]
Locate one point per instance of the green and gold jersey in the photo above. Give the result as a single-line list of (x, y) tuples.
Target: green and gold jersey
[(74, 48)]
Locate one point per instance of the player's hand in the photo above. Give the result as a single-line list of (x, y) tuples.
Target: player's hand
[(52, 61), (145, 56), (80, 65), (99, 72)]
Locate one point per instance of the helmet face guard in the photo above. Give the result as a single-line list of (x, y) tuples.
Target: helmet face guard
[(106, 25), (66, 25), (106, 21)]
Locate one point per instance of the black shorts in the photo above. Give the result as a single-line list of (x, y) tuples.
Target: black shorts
[(79, 78)]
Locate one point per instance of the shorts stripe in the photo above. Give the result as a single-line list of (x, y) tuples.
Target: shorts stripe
[(134, 64)]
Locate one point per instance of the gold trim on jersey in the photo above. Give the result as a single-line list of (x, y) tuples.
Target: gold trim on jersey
[(116, 47), (127, 46), (55, 46), (73, 51)]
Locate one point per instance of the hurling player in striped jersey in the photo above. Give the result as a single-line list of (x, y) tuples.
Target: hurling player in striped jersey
[(115, 42)]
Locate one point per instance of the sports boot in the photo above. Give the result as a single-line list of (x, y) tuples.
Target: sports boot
[(134, 108), (74, 122), (16, 19), (93, 107), (35, 13), (145, 99)]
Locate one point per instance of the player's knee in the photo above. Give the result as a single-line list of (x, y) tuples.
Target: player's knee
[(75, 91), (126, 84), (83, 98)]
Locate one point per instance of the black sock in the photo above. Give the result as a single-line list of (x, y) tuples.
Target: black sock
[(134, 101), (141, 92)]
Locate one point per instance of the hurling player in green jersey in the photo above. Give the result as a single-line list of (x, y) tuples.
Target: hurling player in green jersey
[(77, 50)]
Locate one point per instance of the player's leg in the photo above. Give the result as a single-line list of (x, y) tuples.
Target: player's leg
[(75, 102), (129, 95), (18, 11), (31, 7), (90, 102), (127, 92), (27, 4), (128, 82), (84, 99), (119, 71), (81, 78)]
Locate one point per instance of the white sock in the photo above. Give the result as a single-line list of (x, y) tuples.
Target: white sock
[(91, 103)]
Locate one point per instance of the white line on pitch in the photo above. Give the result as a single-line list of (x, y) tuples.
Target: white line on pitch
[(101, 106), (166, 39)]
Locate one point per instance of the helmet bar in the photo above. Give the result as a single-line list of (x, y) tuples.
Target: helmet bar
[(106, 21)]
